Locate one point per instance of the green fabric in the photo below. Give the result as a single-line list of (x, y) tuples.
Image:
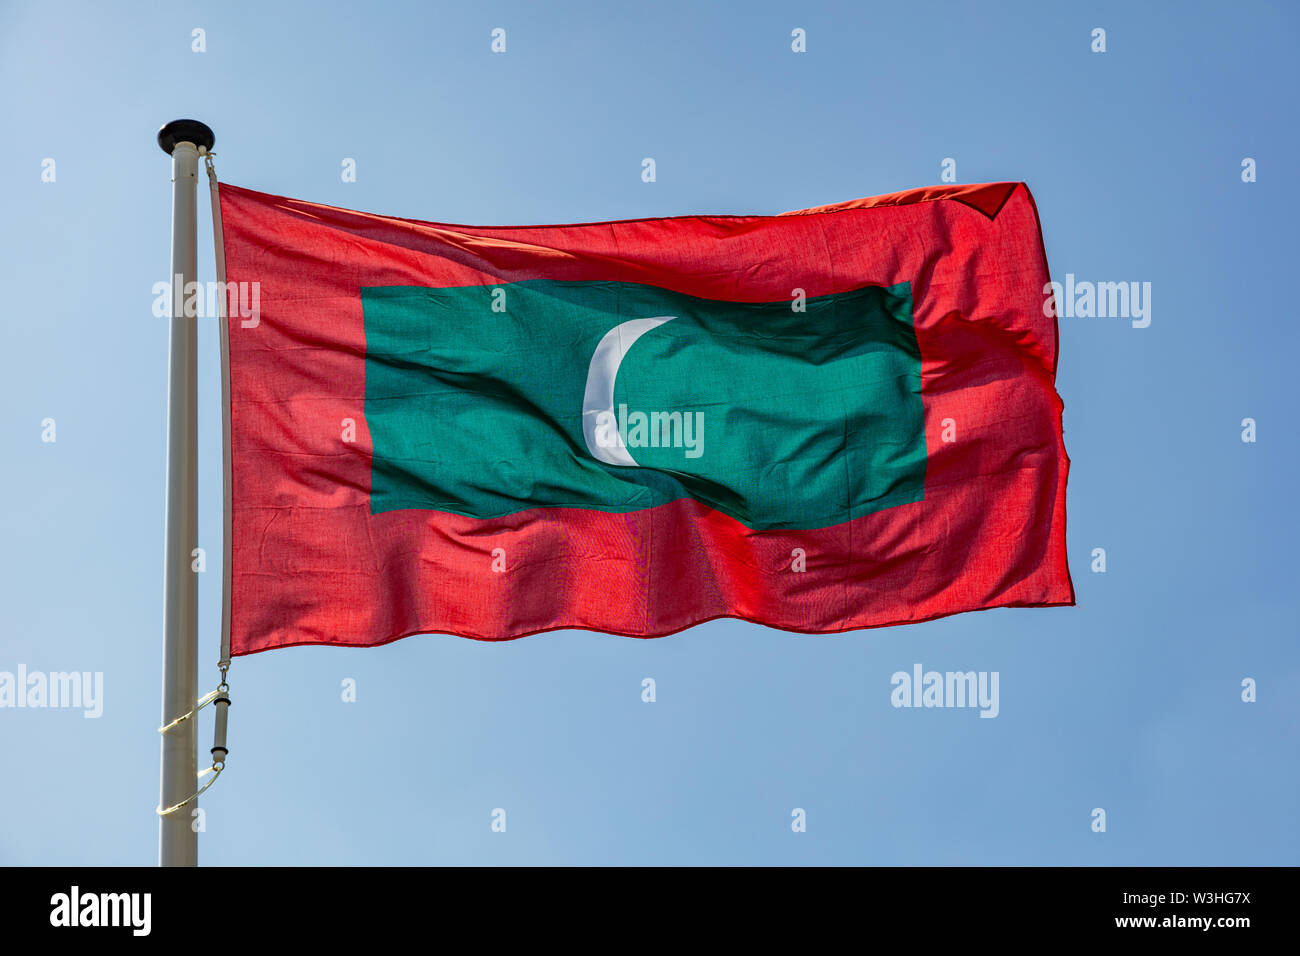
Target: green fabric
[(809, 419)]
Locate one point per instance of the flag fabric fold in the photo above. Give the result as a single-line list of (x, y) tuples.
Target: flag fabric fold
[(838, 418)]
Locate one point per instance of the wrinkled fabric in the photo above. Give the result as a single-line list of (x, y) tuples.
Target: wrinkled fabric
[(316, 561)]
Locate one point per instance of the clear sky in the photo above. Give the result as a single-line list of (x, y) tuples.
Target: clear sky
[(1130, 702)]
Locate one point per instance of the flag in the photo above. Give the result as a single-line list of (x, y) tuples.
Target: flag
[(832, 419)]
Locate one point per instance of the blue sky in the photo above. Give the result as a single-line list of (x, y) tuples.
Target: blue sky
[(1130, 701)]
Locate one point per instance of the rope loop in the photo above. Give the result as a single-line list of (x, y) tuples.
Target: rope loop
[(215, 770), (202, 702), (220, 695)]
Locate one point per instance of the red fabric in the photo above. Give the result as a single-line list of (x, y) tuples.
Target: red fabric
[(312, 566)]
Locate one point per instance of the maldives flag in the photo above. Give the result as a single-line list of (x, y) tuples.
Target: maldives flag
[(837, 418)]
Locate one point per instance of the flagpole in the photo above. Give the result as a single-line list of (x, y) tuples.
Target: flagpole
[(178, 842)]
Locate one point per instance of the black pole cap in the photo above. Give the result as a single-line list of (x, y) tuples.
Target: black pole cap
[(185, 131)]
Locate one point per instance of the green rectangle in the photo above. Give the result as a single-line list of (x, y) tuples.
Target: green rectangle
[(802, 418)]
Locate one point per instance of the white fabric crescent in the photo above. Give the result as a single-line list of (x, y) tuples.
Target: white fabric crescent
[(599, 396)]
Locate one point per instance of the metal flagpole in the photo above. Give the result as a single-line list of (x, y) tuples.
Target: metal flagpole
[(178, 842)]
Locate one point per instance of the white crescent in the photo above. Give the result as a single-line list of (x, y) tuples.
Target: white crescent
[(599, 396)]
